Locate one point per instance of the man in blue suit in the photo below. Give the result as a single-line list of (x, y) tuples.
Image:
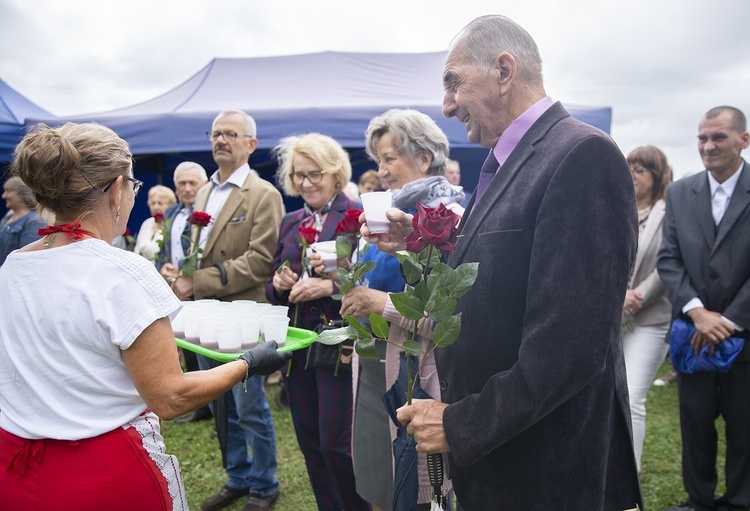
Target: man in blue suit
[(534, 411), (189, 177), (704, 262)]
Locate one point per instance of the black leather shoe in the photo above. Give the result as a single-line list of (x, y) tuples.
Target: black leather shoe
[(224, 498), (257, 502), (201, 414)]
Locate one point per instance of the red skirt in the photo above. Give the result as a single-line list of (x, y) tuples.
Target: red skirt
[(123, 469)]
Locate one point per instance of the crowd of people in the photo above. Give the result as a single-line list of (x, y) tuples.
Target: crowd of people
[(558, 210)]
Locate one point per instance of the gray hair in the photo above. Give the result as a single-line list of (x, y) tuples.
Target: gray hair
[(739, 122), (488, 36), (15, 184), (185, 165), (412, 133), (250, 127)]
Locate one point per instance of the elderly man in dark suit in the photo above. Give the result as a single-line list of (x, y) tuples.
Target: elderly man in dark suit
[(535, 407), (704, 262)]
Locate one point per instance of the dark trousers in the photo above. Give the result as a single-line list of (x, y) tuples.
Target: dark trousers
[(321, 406), (703, 397)]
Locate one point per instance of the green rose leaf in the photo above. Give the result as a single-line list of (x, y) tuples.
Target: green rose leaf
[(412, 270), (446, 332), (413, 348), (379, 326), (359, 328), (366, 267), (335, 336), (443, 309), (343, 247), (366, 348), (466, 276), (408, 305)]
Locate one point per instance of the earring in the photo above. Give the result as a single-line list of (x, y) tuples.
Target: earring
[(117, 217)]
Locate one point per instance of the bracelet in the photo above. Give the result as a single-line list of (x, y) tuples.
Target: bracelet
[(247, 373)]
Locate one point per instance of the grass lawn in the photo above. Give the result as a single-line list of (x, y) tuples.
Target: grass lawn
[(200, 459)]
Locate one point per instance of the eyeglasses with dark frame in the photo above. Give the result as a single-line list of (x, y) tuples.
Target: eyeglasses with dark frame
[(137, 184), (639, 170), (314, 177), (229, 136)]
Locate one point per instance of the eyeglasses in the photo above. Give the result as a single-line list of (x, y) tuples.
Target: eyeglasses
[(314, 177), (639, 170), (137, 185), (229, 136)]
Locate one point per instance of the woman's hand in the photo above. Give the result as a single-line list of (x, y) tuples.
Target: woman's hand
[(633, 303), (361, 301), (317, 264), (310, 289), (283, 282)]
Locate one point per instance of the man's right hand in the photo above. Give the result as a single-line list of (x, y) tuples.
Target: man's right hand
[(392, 241), (711, 329)]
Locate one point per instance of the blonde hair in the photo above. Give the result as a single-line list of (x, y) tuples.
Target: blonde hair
[(67, 168), (162, 191), (322, 149)]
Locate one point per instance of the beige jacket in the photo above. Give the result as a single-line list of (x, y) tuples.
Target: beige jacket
[(243, 239), (645, 279)]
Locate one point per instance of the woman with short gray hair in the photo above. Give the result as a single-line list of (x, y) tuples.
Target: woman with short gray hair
[(19, 226)]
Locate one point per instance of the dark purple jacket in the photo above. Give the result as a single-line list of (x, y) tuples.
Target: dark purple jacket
[(289, 248)]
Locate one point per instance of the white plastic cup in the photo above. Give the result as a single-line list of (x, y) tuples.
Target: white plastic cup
[(276, 310), (250, 332), (207, 332), (229, 336), (191, 326), (327, 251), (375, 205), (178, 322), (274, 328)]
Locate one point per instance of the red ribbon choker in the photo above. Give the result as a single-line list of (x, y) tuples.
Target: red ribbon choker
[(72, 231)]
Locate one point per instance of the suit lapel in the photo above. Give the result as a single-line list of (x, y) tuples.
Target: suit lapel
[(737, 204), (702, 209), (653, 224), (503, 178), (236, 196)]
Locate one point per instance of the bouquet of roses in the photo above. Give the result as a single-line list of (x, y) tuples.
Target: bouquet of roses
[(432, 290), (199, 219)]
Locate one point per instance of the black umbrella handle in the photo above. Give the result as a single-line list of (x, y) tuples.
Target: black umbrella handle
[(435, 472)]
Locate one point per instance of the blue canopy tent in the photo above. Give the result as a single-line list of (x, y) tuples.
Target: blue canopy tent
[(335, 93), (14, 109)]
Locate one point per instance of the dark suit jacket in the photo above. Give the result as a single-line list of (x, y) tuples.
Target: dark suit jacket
[(695, 260), (165, 254), (243, 239), (539, 416)]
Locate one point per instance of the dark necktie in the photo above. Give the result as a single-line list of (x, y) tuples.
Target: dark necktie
[(489, 168)]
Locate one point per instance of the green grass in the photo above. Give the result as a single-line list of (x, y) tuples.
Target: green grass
[(200, 459)]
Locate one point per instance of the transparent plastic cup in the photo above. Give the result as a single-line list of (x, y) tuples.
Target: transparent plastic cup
[(274, 328), (207, 332), (229, 336)]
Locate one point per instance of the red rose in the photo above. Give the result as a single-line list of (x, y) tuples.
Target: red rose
[(199, 218), (127, 232), (433, 226), (158, 217), (308, 235), (350, 223)]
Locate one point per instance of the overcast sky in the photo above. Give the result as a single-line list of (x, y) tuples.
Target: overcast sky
[(660, 64)]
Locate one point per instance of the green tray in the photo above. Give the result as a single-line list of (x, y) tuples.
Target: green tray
[(296, 339)]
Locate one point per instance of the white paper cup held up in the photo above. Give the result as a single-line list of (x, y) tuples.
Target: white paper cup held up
[(375, 205)]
